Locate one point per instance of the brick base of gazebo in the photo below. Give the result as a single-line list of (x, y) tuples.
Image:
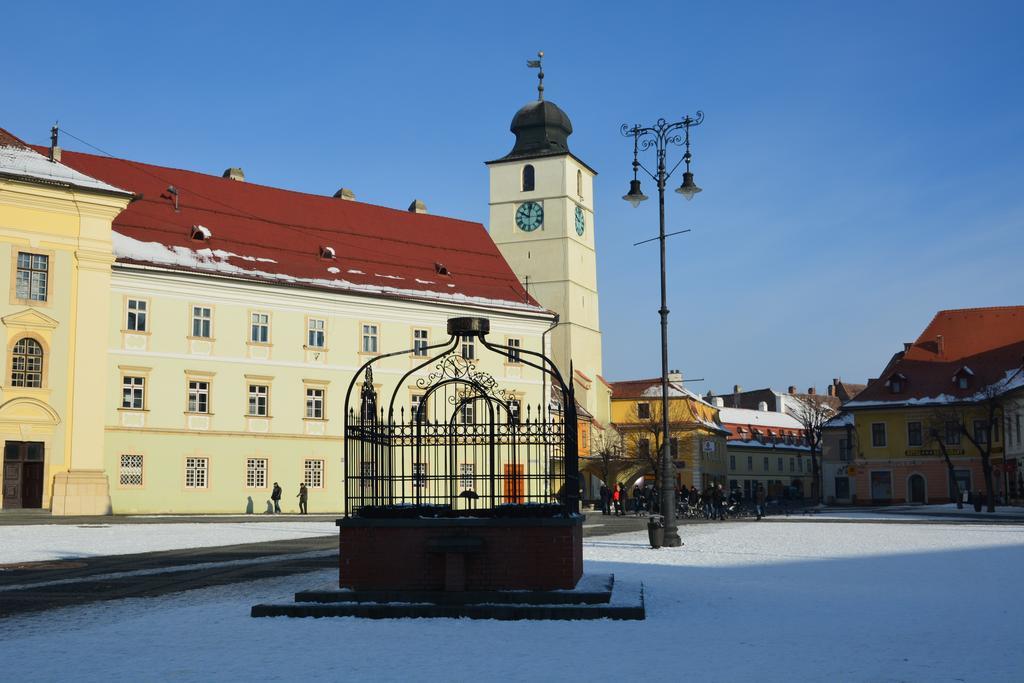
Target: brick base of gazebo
[(461, 554)]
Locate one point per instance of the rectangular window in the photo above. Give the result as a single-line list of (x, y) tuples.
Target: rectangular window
[(369, 339), (256, 473), (792, 464), (202, 321), (469, 348), (765, 463), (513, 351), (259, 330), (137, 318), (313, 474), (198, 396), (750, 463), (466, 473), (914, 434), (33, 273), (643, 411), (844, 449), (673, 445), (195, 473), (878, 434), (316, 336), (514, 411), (418, 410), (259, 400), (732, 462), (420, 342), (779, 463), (131, 470), (314, 403), (952, 433), (800, 464), (419, 475), (367, 474), (881, 485), (467, 414), (842, 488), (133, 393)]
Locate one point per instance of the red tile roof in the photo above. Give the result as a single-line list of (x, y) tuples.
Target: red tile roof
[(987, 341), (268, 233)]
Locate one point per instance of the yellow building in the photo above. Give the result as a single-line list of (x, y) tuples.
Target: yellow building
[(197, 346), (696, 437), (766, 448), (55, 253)]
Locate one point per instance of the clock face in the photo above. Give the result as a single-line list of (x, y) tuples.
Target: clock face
[(581, 221), (529, 216)]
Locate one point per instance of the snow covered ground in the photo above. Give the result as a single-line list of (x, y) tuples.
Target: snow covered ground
[(40, 542), (765, 602)]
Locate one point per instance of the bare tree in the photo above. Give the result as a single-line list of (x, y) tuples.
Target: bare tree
[(643, 435), (936, 432), (607, 455), (812, 412)]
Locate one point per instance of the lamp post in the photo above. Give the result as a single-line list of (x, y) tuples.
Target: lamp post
[(659, 137)]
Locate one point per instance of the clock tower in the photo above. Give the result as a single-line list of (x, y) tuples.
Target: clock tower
[(542, 219)]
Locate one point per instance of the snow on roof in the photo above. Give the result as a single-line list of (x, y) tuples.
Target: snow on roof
[(19, 160), (383, 251), (840, 420), (759, 418), (651, 388), (768, 444)]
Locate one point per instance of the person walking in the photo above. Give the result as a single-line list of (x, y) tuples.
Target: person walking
[(637, 495), (606, 496), (617, 500), (303, 498), (760, 501), (275, 496)]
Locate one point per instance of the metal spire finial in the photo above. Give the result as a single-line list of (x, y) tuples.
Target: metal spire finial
[(537, 64)]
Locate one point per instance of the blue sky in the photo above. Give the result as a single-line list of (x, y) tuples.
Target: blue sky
[(861, 161)]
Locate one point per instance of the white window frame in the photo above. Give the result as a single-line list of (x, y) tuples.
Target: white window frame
[(468, 349), (467, 473), (137, 315), (316, 333), (420, 341), (514, 356), (133, 392), (256, 473), (202, 322), (259, 327), (33, 277), (198, 396), (259, 400), (313, 473), (369, 338), (197, 473), (315, 401)]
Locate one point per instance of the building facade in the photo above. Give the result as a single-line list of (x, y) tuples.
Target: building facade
[(768, 449)]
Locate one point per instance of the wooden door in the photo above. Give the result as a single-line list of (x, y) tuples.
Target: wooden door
[(32, 485), (514, 492)]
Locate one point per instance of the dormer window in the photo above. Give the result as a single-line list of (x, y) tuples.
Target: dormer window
[(528, 179), (962, 378), (201, 233), (327, 253), (896, 383), (440, 268)]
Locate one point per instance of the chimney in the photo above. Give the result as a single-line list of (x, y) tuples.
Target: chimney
[(346, 194), (906, 346), (763, 406), (719, 402), (792, 389), (675, 376), (417, 206), (831, 390), (811, 391), (54, 149), (234, 173), (736, 388), (941, 344)]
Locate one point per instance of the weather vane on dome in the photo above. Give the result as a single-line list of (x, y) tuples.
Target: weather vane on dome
[(536, 64)]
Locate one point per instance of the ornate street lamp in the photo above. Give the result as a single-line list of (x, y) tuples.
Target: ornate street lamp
[(659, 137)]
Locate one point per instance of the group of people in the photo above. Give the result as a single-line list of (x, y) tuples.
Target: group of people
[(303, 496), (713, 502), (618, 500)]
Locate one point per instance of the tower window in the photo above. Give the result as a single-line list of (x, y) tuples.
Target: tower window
[(579, 182), (528, 183)]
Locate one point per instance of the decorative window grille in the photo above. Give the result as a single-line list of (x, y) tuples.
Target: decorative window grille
[(32, 277), (469, 348), (137, 315), (513, 351), (259, 400), (420, 342), (256, 473), (202, 322), (370, 339), (314, 403), (314, 474), (131, 470), (196, 473), (260, 328), (466, 474), (316, 336), (27, 363), (133, 393), (198, 396), (643, 411)]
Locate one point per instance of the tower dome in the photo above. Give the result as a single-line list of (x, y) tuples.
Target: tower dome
[(541, 128)]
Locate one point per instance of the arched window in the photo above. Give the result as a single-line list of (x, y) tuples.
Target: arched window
[(27, 363), (579, 182), (528, 178)]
